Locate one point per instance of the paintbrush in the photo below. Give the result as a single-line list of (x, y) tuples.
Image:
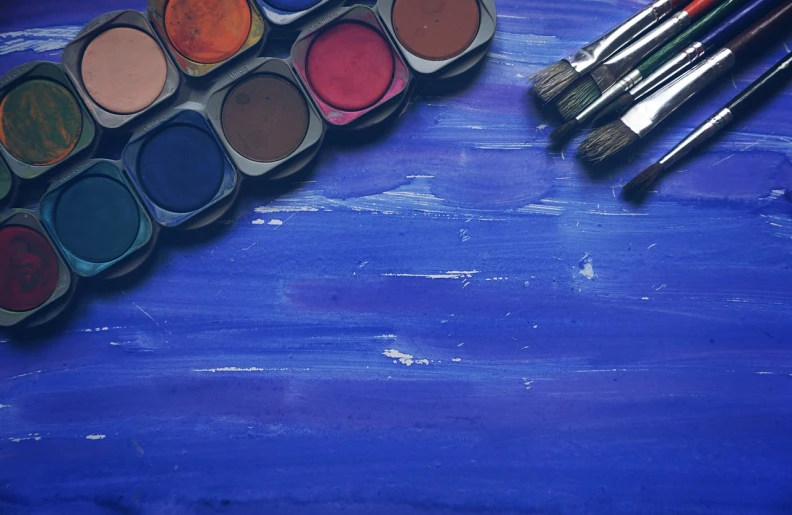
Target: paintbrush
[(634, 78), (658, 75), (636, 123), (737, 107), (587, 89), (552, 80)]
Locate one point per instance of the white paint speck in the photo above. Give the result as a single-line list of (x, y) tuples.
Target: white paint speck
[(5, 406), (96, 437), (528, 384), (451, 274), (650, 246), (587, 267), (765, 373), (275, 221), (536, 326), (385, 337), (403, 358), (456, 360), (25, 375), (259, 221), (228, 369), (36, 437), (644, 298)]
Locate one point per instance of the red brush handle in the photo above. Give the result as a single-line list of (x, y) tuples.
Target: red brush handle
[(701, 7)]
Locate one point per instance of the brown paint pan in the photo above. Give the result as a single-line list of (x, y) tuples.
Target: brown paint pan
[(440, 39)]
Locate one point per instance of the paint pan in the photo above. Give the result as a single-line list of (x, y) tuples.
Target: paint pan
[(35, 283), (440, 38), (351, 69), (291, 13), (43, 122), (266, 120), (203, 35), (181, 170), (7, 185), (97, 221), (120, 68)]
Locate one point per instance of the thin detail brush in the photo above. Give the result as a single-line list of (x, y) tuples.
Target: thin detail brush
[(639, 121), (659, 74), (634, 78), (738, 107), (587, 89), (552, 80)]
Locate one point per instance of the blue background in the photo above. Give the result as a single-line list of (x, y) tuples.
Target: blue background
[(445, 319)]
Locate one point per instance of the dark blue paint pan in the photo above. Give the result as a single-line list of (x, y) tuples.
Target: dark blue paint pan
[(266, 120), (181, 170), (293, 13), (35, 282), (97, 222)]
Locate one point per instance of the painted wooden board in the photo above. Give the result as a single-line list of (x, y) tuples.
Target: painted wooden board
[(447, 319)]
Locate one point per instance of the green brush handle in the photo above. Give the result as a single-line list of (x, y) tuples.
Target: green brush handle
[(691, 35)]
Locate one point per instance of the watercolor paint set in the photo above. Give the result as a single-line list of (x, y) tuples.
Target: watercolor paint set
[(199, 108), (630, 80)]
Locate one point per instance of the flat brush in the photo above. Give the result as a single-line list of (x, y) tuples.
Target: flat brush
[(587, 89), (737, 107), (634, 78), (644, 116), (552, 80), (659, 74)]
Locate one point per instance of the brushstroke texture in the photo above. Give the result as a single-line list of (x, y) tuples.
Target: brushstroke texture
[(570, 353)]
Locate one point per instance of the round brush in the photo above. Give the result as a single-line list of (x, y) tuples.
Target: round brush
[(659, 73), (635, 77), (636, 123), (587, 89), (552, 80), (737, 107)]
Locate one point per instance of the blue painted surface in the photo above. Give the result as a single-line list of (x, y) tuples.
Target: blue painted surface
[(568, 352)]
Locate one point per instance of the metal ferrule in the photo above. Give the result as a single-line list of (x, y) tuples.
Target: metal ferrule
[(698, 137), (668, 71), (606, 74), (591, 55), (610, 95), (646, 115)]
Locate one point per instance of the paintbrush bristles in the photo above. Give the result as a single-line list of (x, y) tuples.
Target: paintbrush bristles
[(606, 142), (641, 182), (562, 134), (613, 111), (551, 81), (581, 95)]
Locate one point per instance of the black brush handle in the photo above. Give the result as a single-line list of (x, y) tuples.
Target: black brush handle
[(762, 87), (776, 21)]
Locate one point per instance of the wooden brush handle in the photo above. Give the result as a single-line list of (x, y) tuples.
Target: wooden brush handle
[(699, 8), (762, 87), (777, 20)]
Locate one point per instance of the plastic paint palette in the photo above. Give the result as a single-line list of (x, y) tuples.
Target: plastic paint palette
[(97, 222), (43, 123), (181, 171), (120, 68)]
